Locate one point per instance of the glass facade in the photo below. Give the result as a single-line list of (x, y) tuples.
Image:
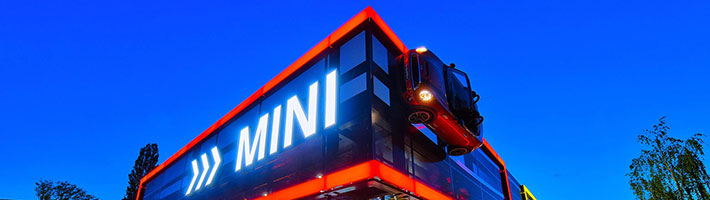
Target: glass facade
[(515, 192), (288, 141)]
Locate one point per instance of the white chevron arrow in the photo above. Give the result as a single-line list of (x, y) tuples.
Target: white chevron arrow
[(217, 161), (205, 167), (195, 172)]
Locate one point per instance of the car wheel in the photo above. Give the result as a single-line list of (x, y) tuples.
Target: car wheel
[(418, 117), (457, 151)]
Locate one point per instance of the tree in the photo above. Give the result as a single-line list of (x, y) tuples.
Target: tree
[(146, 161), (669, 168), (43, 189), (60, 190)]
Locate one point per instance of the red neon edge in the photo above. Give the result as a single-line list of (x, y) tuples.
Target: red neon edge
[(503, 171), (363, 171), (367, 13)]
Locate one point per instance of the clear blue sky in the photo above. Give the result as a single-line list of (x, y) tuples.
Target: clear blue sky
[(566, 85)]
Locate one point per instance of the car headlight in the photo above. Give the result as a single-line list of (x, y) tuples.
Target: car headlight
[(421, 50), (425, 95)]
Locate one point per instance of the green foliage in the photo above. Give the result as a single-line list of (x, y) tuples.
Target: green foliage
[(60, 190), (669, 168), (146, 161)]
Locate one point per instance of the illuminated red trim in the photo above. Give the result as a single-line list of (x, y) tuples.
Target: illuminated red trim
[(367, 13), (506, 183), (503, 171), (364, 171), (492, 154)]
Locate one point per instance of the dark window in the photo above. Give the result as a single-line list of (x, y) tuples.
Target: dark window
[(459, 91), (416, 78)]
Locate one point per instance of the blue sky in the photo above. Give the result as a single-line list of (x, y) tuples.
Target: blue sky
[(566, 85)]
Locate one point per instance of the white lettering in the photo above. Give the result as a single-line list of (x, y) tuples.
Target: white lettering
[(275, 130), (244, 150), (330, 94), (307, 123)]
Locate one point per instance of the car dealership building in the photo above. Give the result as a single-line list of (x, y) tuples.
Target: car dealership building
[(330, 126)]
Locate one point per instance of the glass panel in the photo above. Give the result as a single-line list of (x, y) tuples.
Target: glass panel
[(487, 170), (382, 133), (435, 174), (466, 188), (353, 87), (172, 189), (381, 90), (514, 187), (488, 194), (427, 132), (352, 53), (379, 54)]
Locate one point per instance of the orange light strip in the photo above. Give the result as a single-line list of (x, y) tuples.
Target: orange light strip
[(492, 154), (383, 26), (503, 171), (506, 183), (364, 171), (367, 13)]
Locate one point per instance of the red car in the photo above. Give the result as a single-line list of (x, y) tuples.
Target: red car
[(440, 97)]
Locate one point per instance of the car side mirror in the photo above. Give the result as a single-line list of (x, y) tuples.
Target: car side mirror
[(475, 97)]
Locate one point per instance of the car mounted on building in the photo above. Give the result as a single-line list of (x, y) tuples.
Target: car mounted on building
[(440, 97)]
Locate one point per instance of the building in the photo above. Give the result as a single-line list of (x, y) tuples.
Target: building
[(330, 126)]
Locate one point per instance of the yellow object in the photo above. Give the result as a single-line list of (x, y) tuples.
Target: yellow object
[(421, 50), (526, 193)]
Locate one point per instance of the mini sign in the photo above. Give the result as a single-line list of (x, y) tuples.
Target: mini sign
[(294, 111), (303, 114)]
